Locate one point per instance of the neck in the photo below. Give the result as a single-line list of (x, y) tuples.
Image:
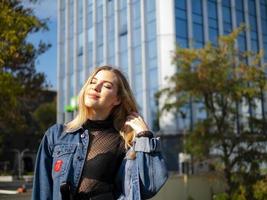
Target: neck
[(98, 115)]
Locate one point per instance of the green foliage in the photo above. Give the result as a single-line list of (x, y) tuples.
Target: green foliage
[(9, 90), (45, 116), (260, 189), (259, 192), (220, 79), (16, 23), (221, 196), (240, 193), (20, 84)]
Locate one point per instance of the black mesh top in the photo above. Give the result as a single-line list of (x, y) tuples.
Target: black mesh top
[(105, 153)]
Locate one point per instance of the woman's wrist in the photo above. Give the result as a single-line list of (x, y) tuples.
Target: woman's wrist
[(146, 133)]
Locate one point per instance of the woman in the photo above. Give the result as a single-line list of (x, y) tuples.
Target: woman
[(107, 152)]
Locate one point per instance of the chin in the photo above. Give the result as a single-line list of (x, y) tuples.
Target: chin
[(94, 105), (89, 103)]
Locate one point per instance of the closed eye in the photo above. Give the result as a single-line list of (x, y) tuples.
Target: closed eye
[(108, 86)]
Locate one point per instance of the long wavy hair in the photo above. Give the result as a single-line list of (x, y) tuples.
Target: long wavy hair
[(118, 113)]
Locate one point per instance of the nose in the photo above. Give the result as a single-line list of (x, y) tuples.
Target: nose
[(97, 87)]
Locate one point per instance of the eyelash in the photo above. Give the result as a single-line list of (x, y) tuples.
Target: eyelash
[(108, 87)]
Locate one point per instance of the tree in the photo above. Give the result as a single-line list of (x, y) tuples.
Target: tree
[(20, 84), (260, 189), (230, 85), (45, 116)]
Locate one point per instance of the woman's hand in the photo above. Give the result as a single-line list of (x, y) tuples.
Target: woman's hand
[(136, 122)]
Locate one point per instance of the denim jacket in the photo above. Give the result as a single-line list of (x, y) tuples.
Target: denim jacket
[(61, 157)]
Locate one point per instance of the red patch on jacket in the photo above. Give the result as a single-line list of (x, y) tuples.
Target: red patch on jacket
[(58, 165)]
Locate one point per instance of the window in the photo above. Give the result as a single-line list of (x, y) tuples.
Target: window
[(181, 28), (181, 14), (153, 78), (212, 10), (139, 100), (62, 4), (123, 43), (71, 55), (99, 32), (180, 4), (137, 55), (240, 18), (252, 7), (181, 22), (226, 3), (227, 17), (123, 21), (182, 42), (136, 37), (153, 110), (242, 43), (80, 62), (263, 7), (124, 61), (136, 14), (138, 82), (254, 45), (227, 14), (198, 32), (80, 44), (197, 18), (62, 59), (99, 55), (111, 32), (72, 85), (213, 35), (253, 25), (213, 23), (80, 79), (197, 7), (152, 63), (152, 49), (151, 30)]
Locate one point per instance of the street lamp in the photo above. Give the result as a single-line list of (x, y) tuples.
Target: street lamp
[(20, 157), (184, 158)]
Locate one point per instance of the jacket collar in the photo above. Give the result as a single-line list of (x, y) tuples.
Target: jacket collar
[(73, 131)]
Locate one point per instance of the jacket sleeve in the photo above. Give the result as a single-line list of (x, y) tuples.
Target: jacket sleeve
[(151, 166), (43, 184)]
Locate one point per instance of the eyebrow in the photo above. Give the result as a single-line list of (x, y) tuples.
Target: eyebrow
[(103, 81)]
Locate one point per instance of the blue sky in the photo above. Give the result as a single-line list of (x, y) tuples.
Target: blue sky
[(47, 62)]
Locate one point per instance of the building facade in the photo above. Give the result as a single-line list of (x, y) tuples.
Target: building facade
[(138, 37)]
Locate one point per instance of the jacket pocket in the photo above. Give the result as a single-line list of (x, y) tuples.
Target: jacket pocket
[(62, 158)]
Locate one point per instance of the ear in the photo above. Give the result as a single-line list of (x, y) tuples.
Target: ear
[(117, 102)]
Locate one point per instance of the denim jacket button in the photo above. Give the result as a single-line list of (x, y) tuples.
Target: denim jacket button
[(82, 135)]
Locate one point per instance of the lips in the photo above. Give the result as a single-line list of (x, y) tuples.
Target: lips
[(93, 96)]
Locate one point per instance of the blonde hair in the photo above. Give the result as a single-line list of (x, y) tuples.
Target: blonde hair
[(118, 113)]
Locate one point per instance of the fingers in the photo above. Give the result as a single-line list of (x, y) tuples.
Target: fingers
[(136, 122), (134, 119), (134, 115)]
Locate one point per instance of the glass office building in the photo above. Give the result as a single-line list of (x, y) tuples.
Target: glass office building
[(138, 37), (119, 33)]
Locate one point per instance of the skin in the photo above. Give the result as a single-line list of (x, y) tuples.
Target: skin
[(101, 96)]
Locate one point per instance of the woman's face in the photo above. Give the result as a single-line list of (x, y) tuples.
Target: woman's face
[(101, 92)]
